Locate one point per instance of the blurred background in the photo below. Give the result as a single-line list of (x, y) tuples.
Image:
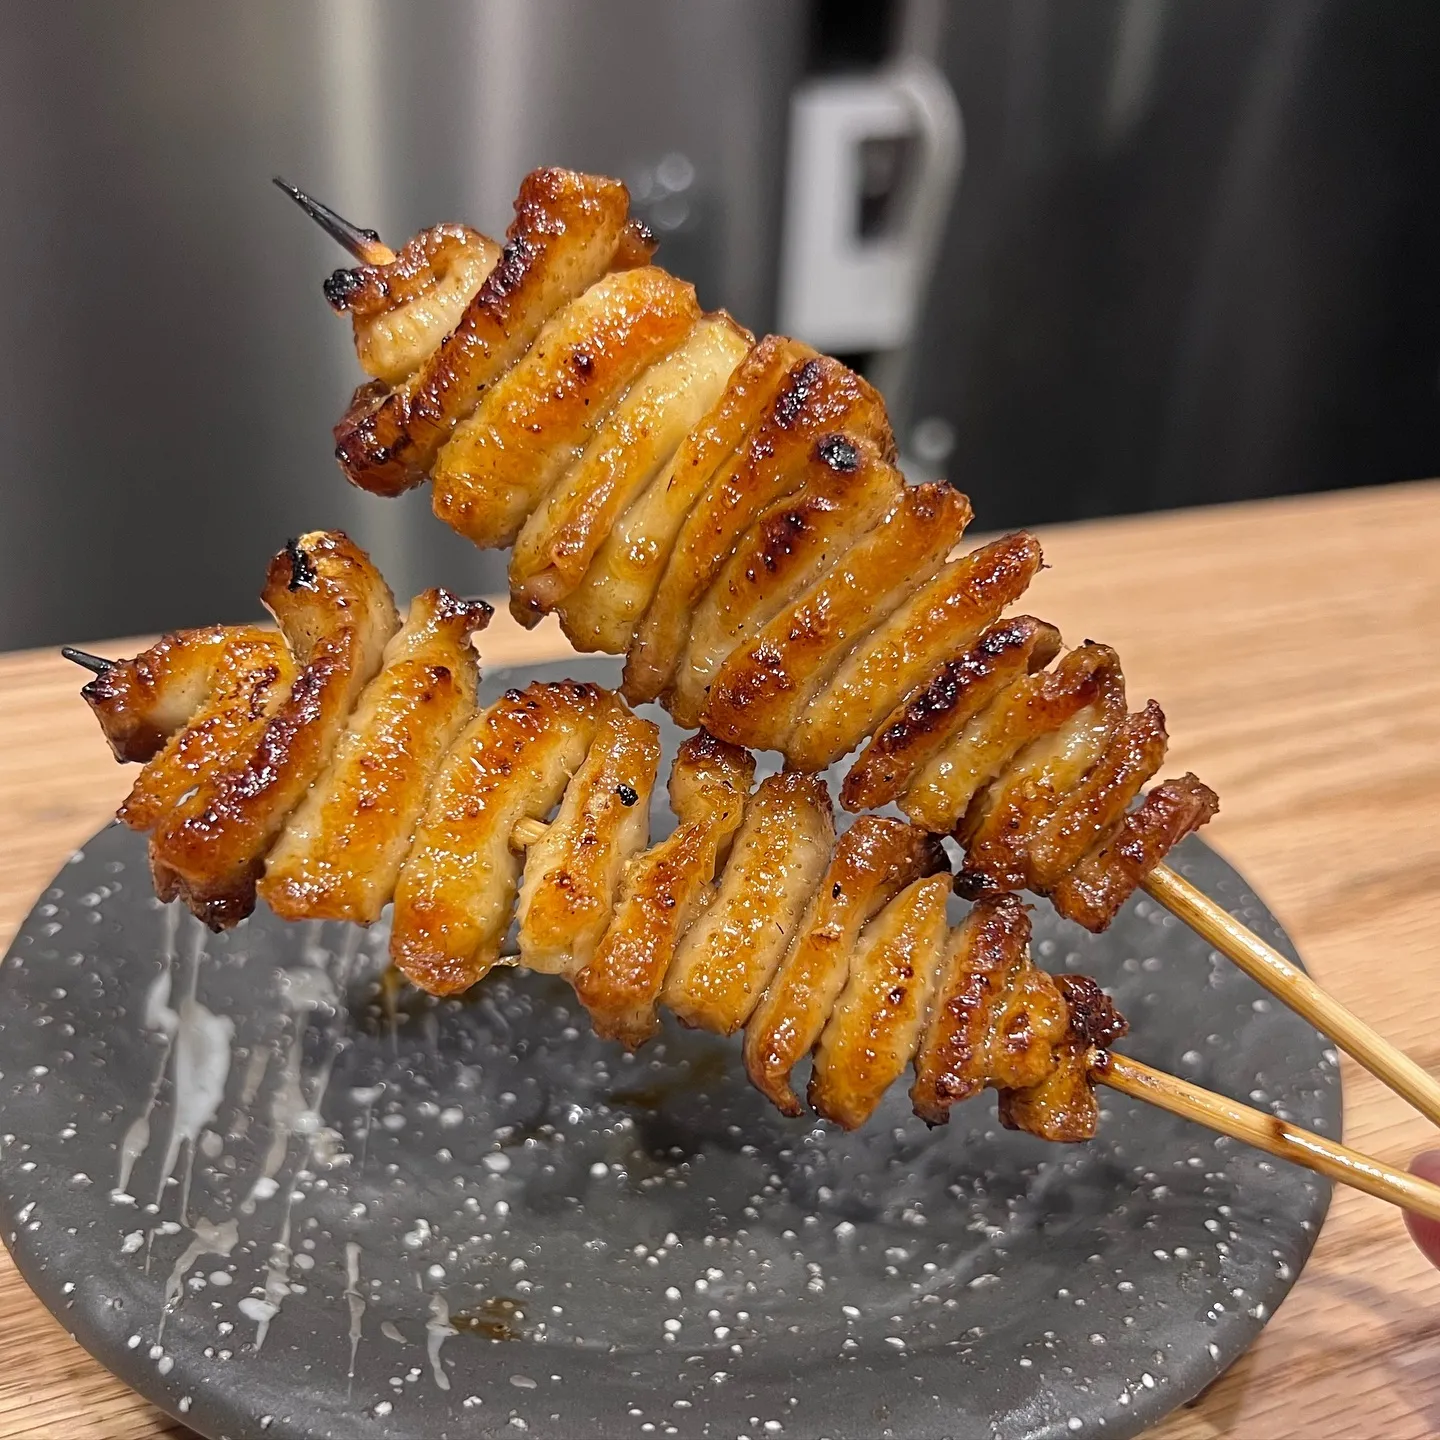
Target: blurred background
[(1102, 255)]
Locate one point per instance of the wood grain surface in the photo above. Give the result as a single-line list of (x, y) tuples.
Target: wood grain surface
[(1295, 646)]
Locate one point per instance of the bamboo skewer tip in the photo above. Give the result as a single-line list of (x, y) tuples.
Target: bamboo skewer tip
[(365, 245), (95, 664)]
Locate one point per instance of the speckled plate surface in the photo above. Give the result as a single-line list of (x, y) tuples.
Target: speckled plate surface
[(278, 1206)]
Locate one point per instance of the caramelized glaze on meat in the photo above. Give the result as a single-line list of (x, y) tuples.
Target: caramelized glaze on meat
[(996, 1018), (336, 614), (877, 1021), (748, 914), (640, 437), (1092, 893), (573, 874), (725, 514), (760, 693), (874, 860), (1062, 1105), (534, 421), (919, 729), (342, 849), (568, 230), (726, 959), (246, 673), (818, 396), (141, 703), (457, 887), (665, 889), (403, 311)]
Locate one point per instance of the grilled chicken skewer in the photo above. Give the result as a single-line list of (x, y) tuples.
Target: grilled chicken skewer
[(728, 516), (837, 949)]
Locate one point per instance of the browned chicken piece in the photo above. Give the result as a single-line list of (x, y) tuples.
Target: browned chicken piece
[(900, 655), (1133, 754), (1003, 819), (456, 891), (336, 613), (402, 311), (665, 888), (1033, 707), (604, 610), (847, 490), (726, 958), (535, 420), (760, 692), (569, 229), (572, 874), (819, 397), (721, 514), (876, 1024), (341, 851), (874, 860), (1093, 892), (1062, 1106), (995, 1019), (918, 730), (637, 440), (247, 684), (141, 703)]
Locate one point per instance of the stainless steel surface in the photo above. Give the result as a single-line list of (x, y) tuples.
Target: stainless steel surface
[(168, 369), (1193, 257)]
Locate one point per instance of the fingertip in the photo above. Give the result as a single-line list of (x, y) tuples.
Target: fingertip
[(1425, 1233)]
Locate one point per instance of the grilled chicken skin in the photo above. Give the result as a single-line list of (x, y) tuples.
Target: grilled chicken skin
[(726, 514), (748, 914), (272, 726), (341, 850)]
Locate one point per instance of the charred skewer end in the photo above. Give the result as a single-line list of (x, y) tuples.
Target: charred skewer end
[(96, 664), (365, 245)]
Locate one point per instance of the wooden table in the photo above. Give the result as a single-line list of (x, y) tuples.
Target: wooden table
[(1296, 648)]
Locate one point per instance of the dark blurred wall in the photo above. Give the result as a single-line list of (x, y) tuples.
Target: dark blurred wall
[(169, 372), (1195, 255)]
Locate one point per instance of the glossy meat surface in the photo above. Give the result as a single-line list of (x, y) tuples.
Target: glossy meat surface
[(665, 888), (341, 851), (573, 874), (995, 1019), (457, 888), (726, 959), (873, 861), (534, 421), (877, 1021), (760, 693), (846, 491), (920, 728), (902, 653), (639, 438), (817, 397), (141, 703), (1092, 893), (568, 229), (336, 614), (1062, 1106), (236, 687), (403, 311)]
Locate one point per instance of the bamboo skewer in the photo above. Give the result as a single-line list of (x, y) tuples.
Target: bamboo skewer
[(1260, 961), (1131, 1077), (1286, 981), (1265, 1132), (365, 245)]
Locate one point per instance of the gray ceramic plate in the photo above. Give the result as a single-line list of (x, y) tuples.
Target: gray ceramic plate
[(278, 1208)]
